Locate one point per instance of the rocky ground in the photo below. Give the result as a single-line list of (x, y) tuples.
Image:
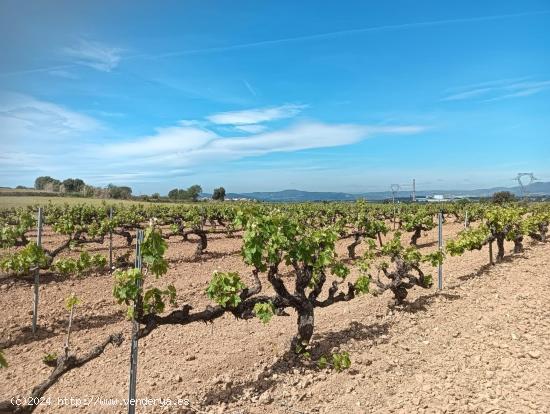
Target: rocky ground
[(481, 345)]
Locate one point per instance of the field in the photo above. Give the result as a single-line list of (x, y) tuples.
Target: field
[(24, 201), (481, 344)]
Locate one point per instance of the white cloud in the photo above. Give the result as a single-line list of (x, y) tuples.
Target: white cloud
[(177, 140), (256, 116), (40, 138), (95, 55), (251, 129), (467, 94), (185, 146), (249, 87), (522, 89), (61, 73), (23, 117), (498, 90)]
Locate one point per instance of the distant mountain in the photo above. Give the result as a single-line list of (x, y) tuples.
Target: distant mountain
[(535, 189), (296, 195)]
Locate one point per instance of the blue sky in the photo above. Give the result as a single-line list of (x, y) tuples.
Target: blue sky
[(263, 96)]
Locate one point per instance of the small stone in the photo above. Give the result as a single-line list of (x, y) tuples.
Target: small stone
[(534, 354), (190, 357), (265, 398)]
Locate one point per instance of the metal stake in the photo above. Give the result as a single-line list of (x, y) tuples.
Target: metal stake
[(440, 244), (110, 239), (135, 329), (37, 274)]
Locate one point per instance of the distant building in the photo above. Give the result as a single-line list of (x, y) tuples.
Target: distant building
[(436, 198)]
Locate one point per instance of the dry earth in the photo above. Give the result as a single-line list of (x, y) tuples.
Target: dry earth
[(482, 345)]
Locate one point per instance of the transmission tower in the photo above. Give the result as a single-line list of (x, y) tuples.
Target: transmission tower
[(530, 176), (394, 190)]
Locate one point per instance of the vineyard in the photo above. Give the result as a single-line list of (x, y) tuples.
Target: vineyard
[(253, 307)]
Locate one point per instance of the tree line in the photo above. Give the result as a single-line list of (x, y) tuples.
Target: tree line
[(78, 186)]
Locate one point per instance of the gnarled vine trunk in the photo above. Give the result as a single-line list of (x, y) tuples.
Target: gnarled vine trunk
[(500, 247), (352, 246), (306, 323), (518, 244), (201, 245), (416, 235)]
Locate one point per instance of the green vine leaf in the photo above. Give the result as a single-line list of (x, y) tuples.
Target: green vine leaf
[(264, 311), (225, 289)]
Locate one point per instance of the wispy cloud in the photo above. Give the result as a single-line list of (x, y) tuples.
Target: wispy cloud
[(249, 87), (61, 73), (251, 129), (473, 93), (108, 114), (95, 55), (521, 89), (499, 90), (186, 146), (172, 140), (256, 116), (41, 137), (338, 33), (24, 117), (104, 58)]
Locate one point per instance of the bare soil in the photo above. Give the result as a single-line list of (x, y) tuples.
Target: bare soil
[(481, 345)]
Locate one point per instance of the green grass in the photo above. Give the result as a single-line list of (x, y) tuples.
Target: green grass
[(23, 201)]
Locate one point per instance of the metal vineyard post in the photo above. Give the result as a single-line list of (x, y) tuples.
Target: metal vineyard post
[(440, 244), (37, 274), (135, 329), (110, 239)]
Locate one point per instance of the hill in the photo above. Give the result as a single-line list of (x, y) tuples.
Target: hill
[(535, 189)]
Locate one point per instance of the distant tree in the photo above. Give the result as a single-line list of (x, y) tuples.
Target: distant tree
[(53, 186), (502, 197), (194, 192), (90, 191), (22, 187), (47, 183), (173, 194), (191, 194), (218, 194), (155, 196), (73, 185), (117, 192)]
